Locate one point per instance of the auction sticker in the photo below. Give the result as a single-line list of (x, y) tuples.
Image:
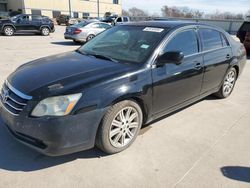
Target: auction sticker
[(153, 29)]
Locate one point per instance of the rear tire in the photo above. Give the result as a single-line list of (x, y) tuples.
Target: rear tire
[(228, 84), (90, 37), (8, 31), (120, 127)]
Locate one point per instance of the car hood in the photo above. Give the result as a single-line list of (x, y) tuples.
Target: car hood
[(63, 72), (2, 21)]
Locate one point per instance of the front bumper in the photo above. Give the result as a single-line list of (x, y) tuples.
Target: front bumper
[(55, 136)]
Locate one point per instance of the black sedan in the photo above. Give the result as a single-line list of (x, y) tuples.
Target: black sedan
[(129, 75)]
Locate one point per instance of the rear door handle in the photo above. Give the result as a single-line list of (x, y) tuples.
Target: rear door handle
[(198, 66), (228, 56)]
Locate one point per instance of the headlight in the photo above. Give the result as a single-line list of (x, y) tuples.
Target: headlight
[(56, 106)]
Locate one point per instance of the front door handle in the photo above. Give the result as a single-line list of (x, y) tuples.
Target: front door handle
[(198, 66)]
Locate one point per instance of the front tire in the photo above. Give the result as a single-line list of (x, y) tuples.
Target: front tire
[(8, 31), (45, 31), (120, 127), (228, 84)]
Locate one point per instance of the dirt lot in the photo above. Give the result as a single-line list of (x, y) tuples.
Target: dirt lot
[(204, 145)]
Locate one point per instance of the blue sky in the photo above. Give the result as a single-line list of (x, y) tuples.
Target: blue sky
[(207, 6)]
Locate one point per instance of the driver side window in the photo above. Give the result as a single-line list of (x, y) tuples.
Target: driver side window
[(185, 41), (24, 18)]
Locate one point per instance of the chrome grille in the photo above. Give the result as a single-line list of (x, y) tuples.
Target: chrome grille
[(13, 100)]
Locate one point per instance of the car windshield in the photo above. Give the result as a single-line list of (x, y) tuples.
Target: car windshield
[(14, 18), (132, 44)]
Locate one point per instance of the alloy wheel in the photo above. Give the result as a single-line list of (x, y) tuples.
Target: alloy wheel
[(90, 37), (124, 127), (229, 82), (9, 31), (45, 31)]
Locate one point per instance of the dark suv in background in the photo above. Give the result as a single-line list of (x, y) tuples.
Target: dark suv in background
[(27, 23), (63, 19), (244, 35)]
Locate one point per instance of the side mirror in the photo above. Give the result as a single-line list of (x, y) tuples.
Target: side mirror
[(174, 57), (18, 20)]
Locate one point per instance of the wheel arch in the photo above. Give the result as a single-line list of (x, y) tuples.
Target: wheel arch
[(42, 26), (137, 100), (10, 25), (237, 70)]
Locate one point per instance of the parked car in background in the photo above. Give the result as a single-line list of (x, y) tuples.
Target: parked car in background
[(27, 23), (73, 21), (247, 41), (129, 75), (85, 30), (116, 20), (109, 19), (120, 20), (244, 35), (67, 20), (4, 15)]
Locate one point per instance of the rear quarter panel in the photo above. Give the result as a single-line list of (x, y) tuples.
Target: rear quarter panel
[(239, 54)]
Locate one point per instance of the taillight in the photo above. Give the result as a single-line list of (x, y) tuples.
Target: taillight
[(77, 31)]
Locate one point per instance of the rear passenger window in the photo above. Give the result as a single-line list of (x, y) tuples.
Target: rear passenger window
[(125, 19), (211, 39), (36, 18), (185, 42)]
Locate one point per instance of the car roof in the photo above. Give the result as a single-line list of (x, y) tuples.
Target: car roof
[(166, 23)]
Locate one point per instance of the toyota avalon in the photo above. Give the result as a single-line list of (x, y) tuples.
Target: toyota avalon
[(102, 93)]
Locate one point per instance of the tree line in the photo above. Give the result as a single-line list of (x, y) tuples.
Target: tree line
[(185, 12)]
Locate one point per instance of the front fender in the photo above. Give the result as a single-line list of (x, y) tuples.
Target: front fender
[(135, 86), (8, 24)]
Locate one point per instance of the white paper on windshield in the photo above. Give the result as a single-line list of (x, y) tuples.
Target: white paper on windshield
[(153, 29), (145, 46)]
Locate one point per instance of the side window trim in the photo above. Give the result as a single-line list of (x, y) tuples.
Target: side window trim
[(225, 39), (201, 42), (184, 30)]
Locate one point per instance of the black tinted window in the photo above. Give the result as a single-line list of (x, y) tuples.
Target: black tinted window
[(211, 39), (245, 26), (185, 42), (24, 18), (125, 19), (36, 18)]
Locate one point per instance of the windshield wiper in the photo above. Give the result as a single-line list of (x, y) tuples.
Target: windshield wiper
[(99, 56)]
